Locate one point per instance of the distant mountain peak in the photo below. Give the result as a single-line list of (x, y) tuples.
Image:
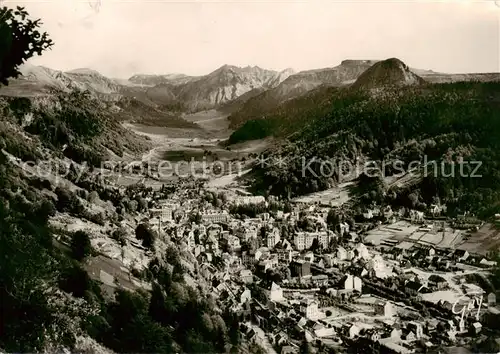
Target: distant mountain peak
[(239, 69), (289, 71), (358, 62), (389, 72), (84, 71), (394, 63), (160, 79), (226, 67)]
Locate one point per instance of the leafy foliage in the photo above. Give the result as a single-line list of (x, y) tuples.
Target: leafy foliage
[(120, 235), (75, 280), (19, 41), (14, 143), (67, 201), (252, 130), (76, 116), (144, 233), (80, 245)]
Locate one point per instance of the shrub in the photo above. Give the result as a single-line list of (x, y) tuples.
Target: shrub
[(132, 206), (82, 154), (120, 235), (15, 144), (80, 245), (136, 273), (97, 218), (75, 280), (82, 193), (144, 233), (251, 130), (19, 106), (40, 183), (68, 202), (48, 208), (93, 197)]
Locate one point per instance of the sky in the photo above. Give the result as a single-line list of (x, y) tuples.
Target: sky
[(120, 38)]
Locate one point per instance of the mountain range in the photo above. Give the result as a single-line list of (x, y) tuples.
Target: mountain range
[(243, 92)]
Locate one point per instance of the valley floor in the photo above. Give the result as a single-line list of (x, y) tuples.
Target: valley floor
[(191, 149)]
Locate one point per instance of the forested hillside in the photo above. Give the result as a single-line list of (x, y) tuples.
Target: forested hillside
[(442, 122), (74, 125), (295, 114)]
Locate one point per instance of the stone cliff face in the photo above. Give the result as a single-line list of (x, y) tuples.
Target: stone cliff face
[(339, 75), (226, 84)]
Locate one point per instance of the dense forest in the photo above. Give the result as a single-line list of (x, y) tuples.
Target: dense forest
[(456, 125), (293, 115), (74, 124)]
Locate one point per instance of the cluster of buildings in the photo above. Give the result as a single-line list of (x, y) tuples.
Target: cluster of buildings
[(328, 287)]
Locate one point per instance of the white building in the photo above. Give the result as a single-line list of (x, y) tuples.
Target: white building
[(299, 241), (285, 255), (416, 216), (309, 257), (167, 211), (304, 240), (353, 283), (385, 308), (215, 217), (344, 228), (324, 239), (233, 242), (368, 214), (378, 265), (247, 258), (276, 293), (269, 263), (245, 296), (311, 310), (416, 328), (265, 217), (250, 233), (262, 253), (246, 276), (273, 238), (329, 260), (363, 251), (249, 200), (341, 253), (211, 243)]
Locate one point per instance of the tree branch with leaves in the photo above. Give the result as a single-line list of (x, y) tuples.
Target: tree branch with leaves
[(20, 40)]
